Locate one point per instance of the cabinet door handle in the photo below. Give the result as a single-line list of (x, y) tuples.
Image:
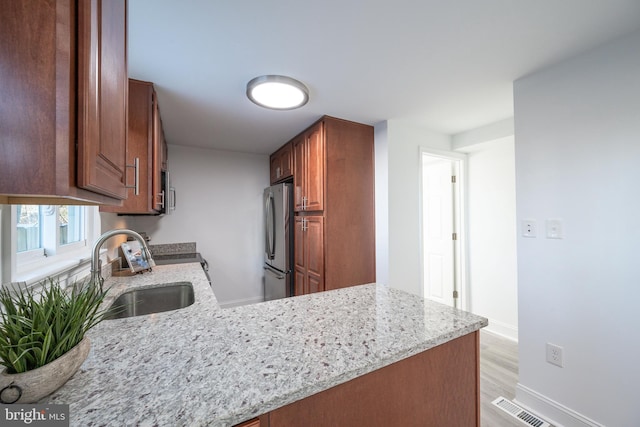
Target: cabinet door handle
[(161, 199), (136, 171), (304, 203)]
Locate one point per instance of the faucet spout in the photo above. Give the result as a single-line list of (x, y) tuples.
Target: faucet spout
[(96, 273)]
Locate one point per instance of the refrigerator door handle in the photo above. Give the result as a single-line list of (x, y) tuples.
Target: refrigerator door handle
[(277, 273), (266, 227), (270, 225)]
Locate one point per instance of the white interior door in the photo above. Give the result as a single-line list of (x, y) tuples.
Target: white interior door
[(438, 227)]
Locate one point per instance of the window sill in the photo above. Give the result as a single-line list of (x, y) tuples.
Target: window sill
[(74, 266)]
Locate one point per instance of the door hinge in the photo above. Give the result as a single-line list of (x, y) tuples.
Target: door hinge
[(454, 236), (453, 179), (455, 294)]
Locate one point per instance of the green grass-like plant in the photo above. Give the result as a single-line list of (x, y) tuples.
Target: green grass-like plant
[(39, 327)]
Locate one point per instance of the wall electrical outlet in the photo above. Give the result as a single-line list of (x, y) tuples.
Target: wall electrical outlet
[(554, 354), (529, 228)]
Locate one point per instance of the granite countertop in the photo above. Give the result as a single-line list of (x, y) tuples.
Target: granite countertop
[(203, 365)]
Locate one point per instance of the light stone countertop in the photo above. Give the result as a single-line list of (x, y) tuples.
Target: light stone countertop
[(203, 365)]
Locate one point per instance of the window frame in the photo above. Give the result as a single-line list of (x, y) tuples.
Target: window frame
[(53, 258)]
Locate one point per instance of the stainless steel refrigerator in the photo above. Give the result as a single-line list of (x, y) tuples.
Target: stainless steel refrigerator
[(278, 239)]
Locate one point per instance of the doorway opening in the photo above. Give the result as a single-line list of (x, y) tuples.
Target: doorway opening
[(441, 204)]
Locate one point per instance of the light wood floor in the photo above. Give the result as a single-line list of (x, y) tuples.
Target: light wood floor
[(498, 377)]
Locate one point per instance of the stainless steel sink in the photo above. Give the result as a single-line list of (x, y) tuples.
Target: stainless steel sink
[(165, 297)]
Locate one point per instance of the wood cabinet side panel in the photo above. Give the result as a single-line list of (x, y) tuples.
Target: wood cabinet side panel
[(349, 204), (28, 31), (433, 388), (158, 198)]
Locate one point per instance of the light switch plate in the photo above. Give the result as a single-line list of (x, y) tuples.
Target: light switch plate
[(554, 229)]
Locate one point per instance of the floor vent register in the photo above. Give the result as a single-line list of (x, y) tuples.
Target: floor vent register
[(519, 413)]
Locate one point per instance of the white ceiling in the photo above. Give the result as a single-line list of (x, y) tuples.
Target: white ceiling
[(447, 64)]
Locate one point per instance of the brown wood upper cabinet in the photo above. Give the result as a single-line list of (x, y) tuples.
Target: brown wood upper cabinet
[(282, 164), (63, 115), (146, 153)]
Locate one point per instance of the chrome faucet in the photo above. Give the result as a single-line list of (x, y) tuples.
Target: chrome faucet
[(96, 274)]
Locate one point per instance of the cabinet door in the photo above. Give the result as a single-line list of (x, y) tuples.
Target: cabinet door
[(262, 421), (314, 243), (308, 174), (281, 163), (102, 96), (314, 164), (309, 254), (275, 168), (299, 172), (299, 258), (286, 161)]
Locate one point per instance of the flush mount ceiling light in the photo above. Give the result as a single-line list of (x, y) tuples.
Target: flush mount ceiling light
[(277, 92)]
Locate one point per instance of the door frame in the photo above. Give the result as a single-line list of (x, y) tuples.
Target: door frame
[(460, 223)]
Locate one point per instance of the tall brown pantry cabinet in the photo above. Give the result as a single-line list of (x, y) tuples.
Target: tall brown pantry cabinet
[(63, 79), (334, 233)]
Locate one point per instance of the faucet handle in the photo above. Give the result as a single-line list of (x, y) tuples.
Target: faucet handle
[(151, 262), (147, 254)]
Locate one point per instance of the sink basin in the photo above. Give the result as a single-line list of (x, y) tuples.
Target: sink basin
[(165, 297)]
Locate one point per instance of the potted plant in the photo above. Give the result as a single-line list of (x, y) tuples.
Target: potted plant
[(42, 337)]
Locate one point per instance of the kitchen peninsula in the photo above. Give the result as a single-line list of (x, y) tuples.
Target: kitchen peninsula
[(282, 360)]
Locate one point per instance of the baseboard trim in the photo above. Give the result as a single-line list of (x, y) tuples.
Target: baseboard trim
[(550, 410), (502, 329), (239, 302)]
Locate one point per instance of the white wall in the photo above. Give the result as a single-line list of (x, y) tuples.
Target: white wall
[(219, 206), (490, 132), (577, 129), (404, 140), (491, 234), (382, 202)]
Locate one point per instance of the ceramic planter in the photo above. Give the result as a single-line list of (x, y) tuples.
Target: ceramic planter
[(33, 385)]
